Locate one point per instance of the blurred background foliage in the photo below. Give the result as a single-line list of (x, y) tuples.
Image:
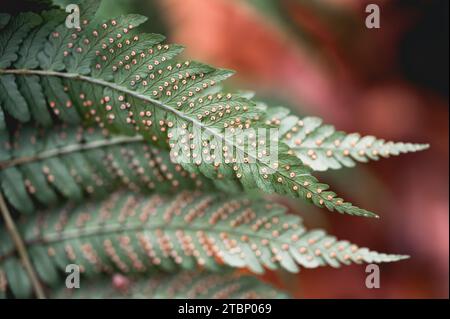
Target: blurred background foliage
[(318, 58)]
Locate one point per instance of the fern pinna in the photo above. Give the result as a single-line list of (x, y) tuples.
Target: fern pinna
[(134, 234), (40, 166), (89, 111)]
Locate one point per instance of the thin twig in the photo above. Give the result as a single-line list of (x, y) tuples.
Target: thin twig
[(17, 239)]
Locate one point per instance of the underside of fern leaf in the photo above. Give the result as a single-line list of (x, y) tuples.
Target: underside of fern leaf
[(190, 285), (321, 147), (108, 74), (39, 167), (128, 162), (132, 234)]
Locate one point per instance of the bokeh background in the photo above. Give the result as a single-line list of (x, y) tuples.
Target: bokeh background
[(318, 58)]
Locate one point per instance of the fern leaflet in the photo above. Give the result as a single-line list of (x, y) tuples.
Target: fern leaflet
[(132, 234), (322, 147), (40, 167), (127, 83)]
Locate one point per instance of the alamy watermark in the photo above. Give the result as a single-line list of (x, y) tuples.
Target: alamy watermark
[(373, 277), (73, 19), (73, 277), (373, 17)]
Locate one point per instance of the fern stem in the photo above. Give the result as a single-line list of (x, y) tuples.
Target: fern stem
[(21, 249), (69, 149)]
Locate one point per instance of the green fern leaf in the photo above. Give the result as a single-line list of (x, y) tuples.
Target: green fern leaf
[(35, 40), (11, 37), (34, 96), (191, 285), (45, 166), (171, 93), (13, 34), (16, 192), (12, 100), (28, 58), (322, 147), (128, 83), (17, 278), (56, 48), (89, 43), (132, 234)]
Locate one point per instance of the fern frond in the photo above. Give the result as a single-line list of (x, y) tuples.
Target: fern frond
[(38, 168), (190, 285), (321, 147), (128, 83), (11, 38), (132, 234), (31, 47)]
